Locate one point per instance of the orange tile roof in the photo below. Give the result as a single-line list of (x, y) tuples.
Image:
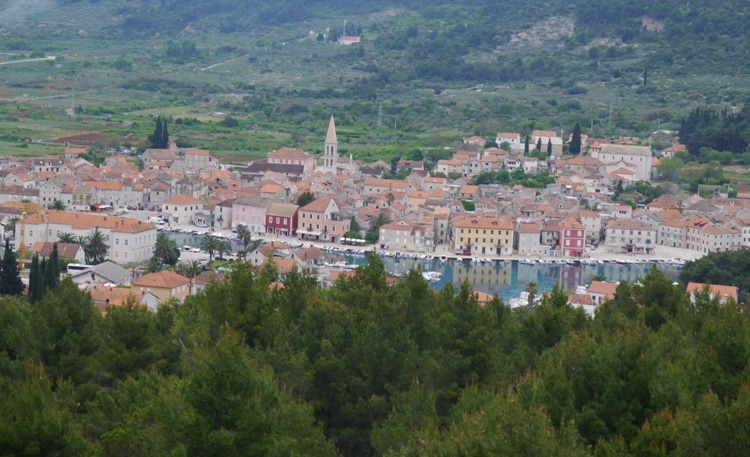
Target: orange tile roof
[(86, 221), (104, 185), (318, 205), (486, 223), (164, 279), (607, 289), (722, 292), (182, 199), (544, 133)]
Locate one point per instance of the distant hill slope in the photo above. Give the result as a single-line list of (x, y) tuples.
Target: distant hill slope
[(441, 34)]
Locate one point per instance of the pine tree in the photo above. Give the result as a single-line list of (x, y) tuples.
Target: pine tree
[(549, 146), (526, 145), (575, 141), (539, 144), (10, 276)]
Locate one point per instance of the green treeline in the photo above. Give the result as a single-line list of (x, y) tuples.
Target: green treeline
[(728, 267), (367, 368), (720, 130)]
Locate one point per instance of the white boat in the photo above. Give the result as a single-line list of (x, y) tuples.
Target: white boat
[(522, 300), (432, 275)]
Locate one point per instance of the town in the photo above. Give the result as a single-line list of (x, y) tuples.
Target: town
[(302, 206)]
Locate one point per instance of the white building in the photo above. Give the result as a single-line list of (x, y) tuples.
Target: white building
[(616, 156), (529, 240), (129, 240), (182, 209), (630, 233)]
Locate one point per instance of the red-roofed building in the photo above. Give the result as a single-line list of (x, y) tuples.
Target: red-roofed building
[(601, 291), (321, 220), (164, 284), (723, 293), (129, 240)]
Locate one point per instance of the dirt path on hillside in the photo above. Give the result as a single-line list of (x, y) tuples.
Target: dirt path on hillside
[(38, 59)]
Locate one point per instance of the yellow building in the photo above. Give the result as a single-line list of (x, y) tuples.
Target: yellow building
[(164, 284), (483, 235)]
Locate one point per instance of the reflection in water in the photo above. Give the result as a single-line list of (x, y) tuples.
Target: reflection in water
[(507, 279)]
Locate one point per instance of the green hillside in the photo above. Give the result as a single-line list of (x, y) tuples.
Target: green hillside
[(424, 72)]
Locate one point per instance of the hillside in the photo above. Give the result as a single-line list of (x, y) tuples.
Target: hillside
[(448, 68)]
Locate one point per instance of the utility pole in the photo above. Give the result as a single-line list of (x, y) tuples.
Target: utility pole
[(380, 114)]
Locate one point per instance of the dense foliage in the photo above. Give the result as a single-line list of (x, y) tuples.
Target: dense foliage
[(366, 368), (441, 53), (729, 267), (720, 130)]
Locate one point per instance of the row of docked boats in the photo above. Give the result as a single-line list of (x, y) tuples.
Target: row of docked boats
[(590, 261)]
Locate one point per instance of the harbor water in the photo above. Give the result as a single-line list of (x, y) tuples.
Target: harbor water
[(507, 279)]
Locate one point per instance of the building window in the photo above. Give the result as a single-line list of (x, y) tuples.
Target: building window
[(126, 242)]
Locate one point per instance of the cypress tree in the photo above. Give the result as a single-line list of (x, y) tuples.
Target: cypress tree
[(549, 147), (52, 273), (526, 145), (158, 135), (42, 279), (35, 280), (539, 144), (165, 136), (575, 141), (10, 276)]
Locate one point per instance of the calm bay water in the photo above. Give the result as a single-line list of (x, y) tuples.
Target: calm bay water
[(506, 279), (509, 279)]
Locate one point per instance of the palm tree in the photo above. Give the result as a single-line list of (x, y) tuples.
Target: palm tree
[(10, 225), (58, 205), (65, 237), (253, 245), (166, 250), (532, 289), (389, 197), (380, 221), (244, 235), (153, 265), (190, 269), (95, 247), (210, 244), (223, 247)]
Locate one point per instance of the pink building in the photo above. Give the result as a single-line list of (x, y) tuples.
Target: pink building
[(250, 212), (572, 238), (287, 156)]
